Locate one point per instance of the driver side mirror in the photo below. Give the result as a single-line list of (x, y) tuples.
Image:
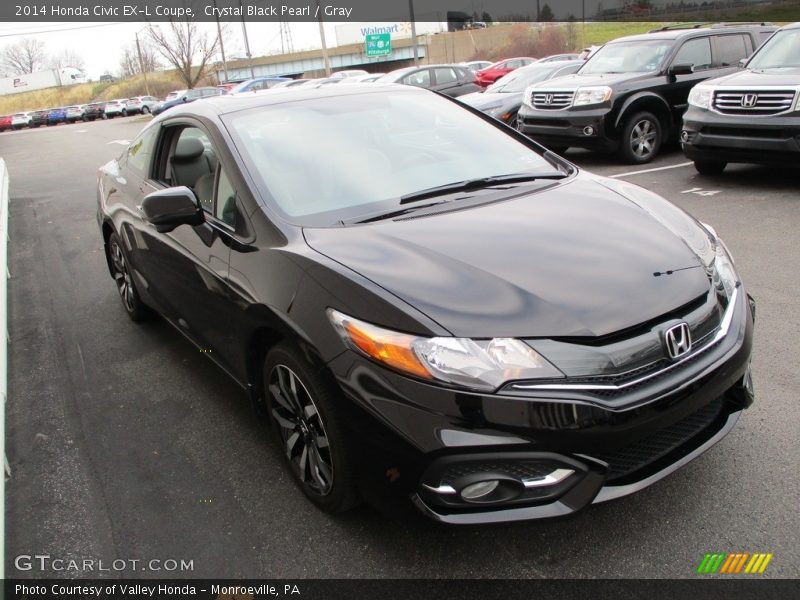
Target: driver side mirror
[(185, 98), (742, 62), (681, 69), (169, 208)]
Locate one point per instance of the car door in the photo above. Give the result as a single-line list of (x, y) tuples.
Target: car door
[(446, 81), (695, 52), (188, 266)]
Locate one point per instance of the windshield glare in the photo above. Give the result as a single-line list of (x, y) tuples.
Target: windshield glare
[(330, 159), (781, 50), (628, 57)]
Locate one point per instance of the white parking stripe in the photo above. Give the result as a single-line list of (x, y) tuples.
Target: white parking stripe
[(685, 164)]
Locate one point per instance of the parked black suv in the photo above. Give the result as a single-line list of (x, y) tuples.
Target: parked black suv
[(630, 95), (752, 116)]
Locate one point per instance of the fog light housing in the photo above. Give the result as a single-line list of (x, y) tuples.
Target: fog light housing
[(684, 136), (476, 491), (588, 130)]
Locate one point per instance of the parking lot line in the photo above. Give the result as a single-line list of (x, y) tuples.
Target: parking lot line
[(684, 164)]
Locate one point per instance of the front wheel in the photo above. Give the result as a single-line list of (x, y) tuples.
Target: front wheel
[(145, 110), (303, 407), (641, 138), (710, 167), (123, 277)]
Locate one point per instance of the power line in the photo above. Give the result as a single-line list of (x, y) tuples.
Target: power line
[(59, 30)]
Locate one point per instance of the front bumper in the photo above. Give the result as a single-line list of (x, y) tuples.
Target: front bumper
[(710, 136), (588, 128), (552, 454)]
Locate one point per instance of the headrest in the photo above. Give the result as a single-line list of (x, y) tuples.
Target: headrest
[(188, 149)]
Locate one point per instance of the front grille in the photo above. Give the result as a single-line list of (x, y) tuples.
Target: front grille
[(551, 100), (648, 450), (753, 102), (520, 469)]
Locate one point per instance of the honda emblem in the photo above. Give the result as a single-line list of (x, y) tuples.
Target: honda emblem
[(678, 340)]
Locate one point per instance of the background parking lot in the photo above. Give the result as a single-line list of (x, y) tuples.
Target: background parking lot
[(126, 443)]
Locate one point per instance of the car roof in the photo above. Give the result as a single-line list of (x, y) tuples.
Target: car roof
[(792, 26), (696, 31), (227, 104)]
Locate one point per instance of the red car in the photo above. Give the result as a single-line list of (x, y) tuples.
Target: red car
[(5, 122), (489, 75)]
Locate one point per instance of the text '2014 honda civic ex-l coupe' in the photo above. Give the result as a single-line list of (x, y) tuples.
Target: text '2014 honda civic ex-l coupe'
[(420, 298)]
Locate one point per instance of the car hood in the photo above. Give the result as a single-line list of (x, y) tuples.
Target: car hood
[(575, 260), (576, 80), (781, 76), (487, 99)]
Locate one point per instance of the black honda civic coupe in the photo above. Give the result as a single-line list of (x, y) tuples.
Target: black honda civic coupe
[(421, 300)]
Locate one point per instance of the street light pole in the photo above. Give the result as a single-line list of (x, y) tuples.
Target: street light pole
[(413, 32), (247, 45), (141, 63), (326, 59), (221, 45)]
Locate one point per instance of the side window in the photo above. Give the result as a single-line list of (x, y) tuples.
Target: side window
[(193, 163), (225, 201), (730, 49), (513, 64), (140, 152), (696, 52), (444, 76), (419, 78)]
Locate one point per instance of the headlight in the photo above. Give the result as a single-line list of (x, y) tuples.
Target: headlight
[(477, 364), (591, 95), (700, 96), (723, 273), (493, 110)]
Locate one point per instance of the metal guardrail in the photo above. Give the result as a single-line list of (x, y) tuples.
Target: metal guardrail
[(4, 274)]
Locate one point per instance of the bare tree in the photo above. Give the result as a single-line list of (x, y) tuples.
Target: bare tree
[(25, 56), (67, 58), (131, 65), (184, 45)]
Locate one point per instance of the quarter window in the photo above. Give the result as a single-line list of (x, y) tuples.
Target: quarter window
[(695, 52), (140, 152), (225, 202)]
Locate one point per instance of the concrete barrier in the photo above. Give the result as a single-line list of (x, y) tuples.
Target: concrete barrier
[(3, 347)]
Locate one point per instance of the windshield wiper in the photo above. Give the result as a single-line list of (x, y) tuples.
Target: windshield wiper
[(476, 184), (390, 214)]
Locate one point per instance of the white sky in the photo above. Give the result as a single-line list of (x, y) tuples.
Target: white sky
[(101, 44)]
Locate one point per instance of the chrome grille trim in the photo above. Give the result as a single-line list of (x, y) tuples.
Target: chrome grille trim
[(757, 102), (551, 100), (721, 332)]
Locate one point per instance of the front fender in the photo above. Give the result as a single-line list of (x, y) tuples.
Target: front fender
[(643, 97)]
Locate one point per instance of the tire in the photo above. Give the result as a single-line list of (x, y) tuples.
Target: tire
[(309, 429), (145, 110), (641, 138), (513, 122), (124, 113), (710, 167), (126, 287), (105, 116)]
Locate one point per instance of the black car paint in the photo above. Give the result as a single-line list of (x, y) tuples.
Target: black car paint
[(662, 93), (272, 280)]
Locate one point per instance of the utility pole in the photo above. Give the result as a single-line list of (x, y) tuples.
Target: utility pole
[(413, 32), (325, 56), (221, 46), (247, 45), (141, 64)]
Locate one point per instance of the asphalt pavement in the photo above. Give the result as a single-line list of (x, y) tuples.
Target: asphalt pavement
[(126, 444)]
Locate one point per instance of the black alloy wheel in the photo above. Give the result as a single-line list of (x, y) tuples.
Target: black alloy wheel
[(301, 406), (120, 270)]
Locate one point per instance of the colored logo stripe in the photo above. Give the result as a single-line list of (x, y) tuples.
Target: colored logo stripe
[(722, 562)]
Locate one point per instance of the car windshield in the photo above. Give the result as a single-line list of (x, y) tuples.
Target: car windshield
[(781, 50), (368, 151), (518, 80), (628, 57)]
